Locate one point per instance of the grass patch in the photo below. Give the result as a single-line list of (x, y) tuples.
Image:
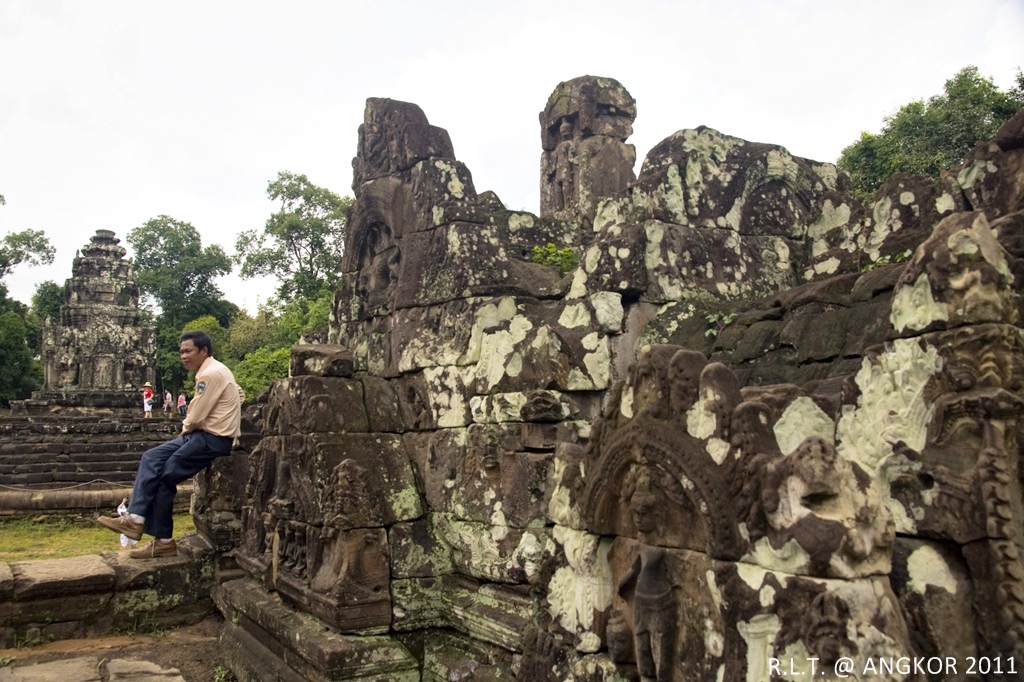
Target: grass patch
[(59, 538)]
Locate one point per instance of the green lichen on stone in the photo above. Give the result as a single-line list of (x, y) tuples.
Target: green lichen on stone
[(914, 307), (405, 503), (145, 601), (886, 414)]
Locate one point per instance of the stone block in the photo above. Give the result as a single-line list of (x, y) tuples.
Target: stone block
[(384, 476), (381, 397), (868, 326), (321, 359), (496, 614), (46, 578), (261, 631), (341, 577), (817, 336), (420, 603), (758, 338), (496, 553), (462, 260), (418, 551), (449, 656), (70, 607), (414, 406), (448, 391), (312, 404), (437, 335)]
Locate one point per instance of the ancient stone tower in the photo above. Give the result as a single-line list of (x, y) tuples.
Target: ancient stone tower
[(98, 353)]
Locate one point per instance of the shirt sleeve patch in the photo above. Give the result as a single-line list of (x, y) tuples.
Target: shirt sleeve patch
[(200, 387)]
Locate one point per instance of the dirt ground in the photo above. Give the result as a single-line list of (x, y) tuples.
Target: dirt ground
[(193, 650)]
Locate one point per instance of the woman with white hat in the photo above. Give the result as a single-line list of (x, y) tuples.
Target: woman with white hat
[(147, 400)]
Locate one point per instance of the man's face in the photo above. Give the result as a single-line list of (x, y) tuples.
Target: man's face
[(191, 357)]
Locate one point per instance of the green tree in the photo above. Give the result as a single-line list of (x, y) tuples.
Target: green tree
[(47, 300), (248, 333), (28, 246), (169, 370), (174, 268), (177, 273), (19, 373), (261, 367), (924, 137), (301, 244), (20, 333), (259, 346)]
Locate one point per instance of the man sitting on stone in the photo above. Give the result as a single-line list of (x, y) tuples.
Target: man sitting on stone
[(208, 431)]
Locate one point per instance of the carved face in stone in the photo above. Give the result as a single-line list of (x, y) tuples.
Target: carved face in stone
[(641, 496), (825, 505), (960, 275), (565, 128)]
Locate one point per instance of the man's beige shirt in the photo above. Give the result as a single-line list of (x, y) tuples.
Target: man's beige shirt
[(216, 406)]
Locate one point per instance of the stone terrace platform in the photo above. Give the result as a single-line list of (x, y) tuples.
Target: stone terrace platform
[(96, 595), (109, 617)]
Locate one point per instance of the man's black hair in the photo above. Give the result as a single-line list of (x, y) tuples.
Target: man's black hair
[(200, 339)]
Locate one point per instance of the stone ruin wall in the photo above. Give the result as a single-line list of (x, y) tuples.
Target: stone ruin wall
[(742, 428)]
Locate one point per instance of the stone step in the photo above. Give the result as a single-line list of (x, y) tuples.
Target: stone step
[(84, 467), (50, 458)]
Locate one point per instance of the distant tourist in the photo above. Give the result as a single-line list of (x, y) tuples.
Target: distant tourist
[(214, 421), (182, 403), (147, 400), (168, 399)]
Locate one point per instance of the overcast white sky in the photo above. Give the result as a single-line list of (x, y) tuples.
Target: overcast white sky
[(118, 111)]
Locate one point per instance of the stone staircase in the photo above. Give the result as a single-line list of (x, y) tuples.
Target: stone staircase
[(56, 451), (58, 463)]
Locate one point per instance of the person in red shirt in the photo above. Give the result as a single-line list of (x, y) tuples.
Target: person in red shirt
[(147, 400)]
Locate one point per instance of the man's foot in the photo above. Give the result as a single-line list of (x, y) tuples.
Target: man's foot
[(155, 549), (123, 525)]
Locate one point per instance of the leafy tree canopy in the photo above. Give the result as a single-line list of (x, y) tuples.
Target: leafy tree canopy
[(260, 368), (28, 246), (47, 300), (302, 243), (924, 137), (247, 333), (169, 370), (19, 373), (177, 271)]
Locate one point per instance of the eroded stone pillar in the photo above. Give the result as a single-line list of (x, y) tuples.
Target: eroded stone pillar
[(583, 134)]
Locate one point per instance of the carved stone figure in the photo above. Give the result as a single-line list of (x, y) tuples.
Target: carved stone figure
[(655, 619)]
